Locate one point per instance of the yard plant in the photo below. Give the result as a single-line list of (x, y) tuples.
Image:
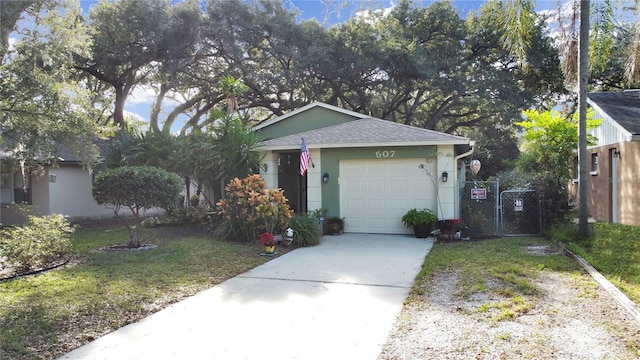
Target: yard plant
[(42, 242), (136, 188)]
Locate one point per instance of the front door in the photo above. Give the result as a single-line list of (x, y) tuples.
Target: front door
[(289, 179), (613, 189)]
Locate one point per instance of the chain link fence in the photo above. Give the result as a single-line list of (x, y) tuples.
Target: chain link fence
[(521, 213), (479, 207)]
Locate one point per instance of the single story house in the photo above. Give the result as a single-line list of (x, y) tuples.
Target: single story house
[(368, 171), (614, 166), (65, 188)]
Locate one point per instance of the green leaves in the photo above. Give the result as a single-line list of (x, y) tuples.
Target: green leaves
[(137, 187), (43, 106), (550, 142)]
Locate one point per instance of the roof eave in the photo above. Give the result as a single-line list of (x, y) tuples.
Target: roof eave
[(360, 145)]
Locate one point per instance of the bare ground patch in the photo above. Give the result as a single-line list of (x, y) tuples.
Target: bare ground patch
[(569, 317)]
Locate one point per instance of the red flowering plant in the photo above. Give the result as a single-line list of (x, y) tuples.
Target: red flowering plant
[(450, 226), (267, 239)]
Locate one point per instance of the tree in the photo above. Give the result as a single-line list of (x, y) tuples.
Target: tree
[(234, 152), (131, 39), (43, 107), (10, 12), (550, 143), (496, 148), (137, 188)]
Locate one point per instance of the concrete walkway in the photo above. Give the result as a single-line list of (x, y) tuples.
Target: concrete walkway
[(337, 300)]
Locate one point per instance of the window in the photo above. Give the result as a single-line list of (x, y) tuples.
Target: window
[(11, 188), (594, 164), (576, 169), (6, 187)]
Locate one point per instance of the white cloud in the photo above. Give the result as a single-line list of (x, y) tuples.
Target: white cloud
[(12, 43)]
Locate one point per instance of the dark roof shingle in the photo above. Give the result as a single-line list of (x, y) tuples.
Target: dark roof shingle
[(623, 107), (366, 132)]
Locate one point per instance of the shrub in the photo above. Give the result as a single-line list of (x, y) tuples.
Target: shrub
[(179, 216), (305, 230), (136, 188), (250, 208), (42, 242)]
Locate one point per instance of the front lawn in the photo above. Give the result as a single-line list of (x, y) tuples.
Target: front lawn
[(614, 250), (46, 315)]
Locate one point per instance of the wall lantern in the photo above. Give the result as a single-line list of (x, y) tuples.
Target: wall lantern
[(445, 176), (325, 177)]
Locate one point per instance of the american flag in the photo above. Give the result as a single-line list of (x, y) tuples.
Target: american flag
[(305, 158)]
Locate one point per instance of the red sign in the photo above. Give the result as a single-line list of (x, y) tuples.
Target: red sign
[(478, 194)]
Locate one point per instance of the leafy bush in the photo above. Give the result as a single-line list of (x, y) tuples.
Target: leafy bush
[(136, 188), (250, 208), (42, 242), (178, 216), (306, 231)]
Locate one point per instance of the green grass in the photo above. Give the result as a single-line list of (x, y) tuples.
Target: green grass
[(614, 250), (47, 315), (498, 268)]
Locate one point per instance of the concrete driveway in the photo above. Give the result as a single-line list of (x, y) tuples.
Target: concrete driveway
[(337, 300)]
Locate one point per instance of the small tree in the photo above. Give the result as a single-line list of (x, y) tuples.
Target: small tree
[(137, 188), (550, 143)]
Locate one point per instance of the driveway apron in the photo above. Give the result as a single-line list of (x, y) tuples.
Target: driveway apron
[(337, 300)]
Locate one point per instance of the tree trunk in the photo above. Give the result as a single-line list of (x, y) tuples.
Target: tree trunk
[(134, 241), (583, 65)]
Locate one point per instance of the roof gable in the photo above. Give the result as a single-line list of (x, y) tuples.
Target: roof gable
[(364, 133), (315, 104)]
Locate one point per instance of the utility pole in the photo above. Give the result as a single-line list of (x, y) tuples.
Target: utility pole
[(583, 73)]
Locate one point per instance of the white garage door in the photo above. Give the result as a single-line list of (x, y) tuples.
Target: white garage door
[(374, 194)]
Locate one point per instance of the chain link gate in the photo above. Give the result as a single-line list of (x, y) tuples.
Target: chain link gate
[(479, 207), (521, 213)]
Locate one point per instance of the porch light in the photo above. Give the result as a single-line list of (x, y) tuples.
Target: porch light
[(445, 176), (325, 178)]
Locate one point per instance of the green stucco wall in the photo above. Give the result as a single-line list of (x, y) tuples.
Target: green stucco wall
[(330, 165), (312, 119)]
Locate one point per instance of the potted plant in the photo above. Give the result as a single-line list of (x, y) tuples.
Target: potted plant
[(335, 225), (421, 220), (269, 242), (451, 229)]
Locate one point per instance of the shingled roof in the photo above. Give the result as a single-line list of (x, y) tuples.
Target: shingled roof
[(622, 107), (364, 133)]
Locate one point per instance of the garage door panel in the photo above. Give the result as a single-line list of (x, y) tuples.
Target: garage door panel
[(355, 185), (376, 205), (355, 204), (399, 204), (375, 194), (400, 185), (375, 185)]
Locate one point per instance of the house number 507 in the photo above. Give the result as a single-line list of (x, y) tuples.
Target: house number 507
[(385, 154)]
